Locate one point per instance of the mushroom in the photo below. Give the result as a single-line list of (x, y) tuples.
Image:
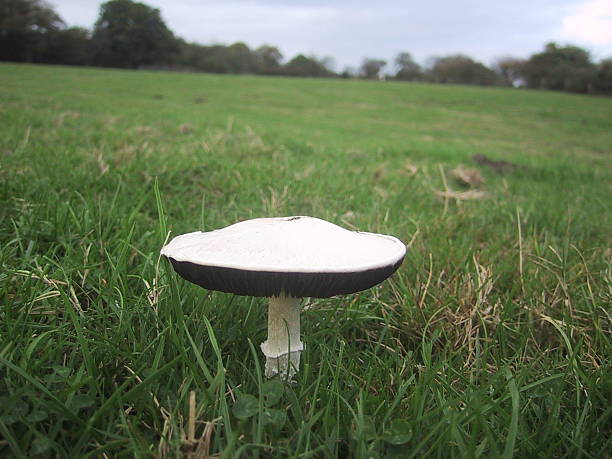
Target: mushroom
[(284, 259)]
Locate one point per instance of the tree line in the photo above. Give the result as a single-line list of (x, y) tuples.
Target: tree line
[(133, 35)]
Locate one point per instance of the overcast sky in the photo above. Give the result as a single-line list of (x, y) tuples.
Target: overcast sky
[(348, 31)]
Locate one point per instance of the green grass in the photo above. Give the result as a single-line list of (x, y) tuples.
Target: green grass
[(492, 340)]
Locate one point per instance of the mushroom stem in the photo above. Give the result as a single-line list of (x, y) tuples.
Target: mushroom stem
[(283, 346)]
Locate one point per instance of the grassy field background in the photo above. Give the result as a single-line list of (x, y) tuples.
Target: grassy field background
[(492, 340)]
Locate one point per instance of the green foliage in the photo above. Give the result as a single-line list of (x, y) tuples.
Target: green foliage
[(236, 58), (510, 70), (407, 68), (130, 34), (604, 76), (399, 432), (245, 407), (23, 27), (460, 69), (371, 68), (305, 66), (269, 60), (562, 68), (491, 340), (71, 46)]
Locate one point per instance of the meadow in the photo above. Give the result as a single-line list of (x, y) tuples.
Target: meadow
[(491, 340)]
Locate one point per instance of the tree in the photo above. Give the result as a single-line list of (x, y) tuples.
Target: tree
[(563, 68), (460, 69), (70, 46), (187, 56), (603, 82), (240, 59), (301, 65), (348, 72), (407, 68), (129, 34), (215, 59), (268, 60), (23, 28), (510, 70), (371, 68), (329, 63)]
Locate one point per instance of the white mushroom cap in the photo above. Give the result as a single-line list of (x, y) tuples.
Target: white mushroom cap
[(297, 256)]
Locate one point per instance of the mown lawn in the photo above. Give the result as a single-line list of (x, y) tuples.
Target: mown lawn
[(492, 340)]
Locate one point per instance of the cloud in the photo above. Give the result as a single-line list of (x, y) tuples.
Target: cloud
[(591, 22), (231, 21)]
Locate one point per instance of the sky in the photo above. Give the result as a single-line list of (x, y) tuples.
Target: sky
[(349, 31)]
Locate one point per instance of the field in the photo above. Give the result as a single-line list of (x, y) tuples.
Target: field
[(492, 339)]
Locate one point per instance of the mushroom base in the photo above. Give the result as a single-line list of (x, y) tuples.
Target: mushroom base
[(283, 346), (285, 365)]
